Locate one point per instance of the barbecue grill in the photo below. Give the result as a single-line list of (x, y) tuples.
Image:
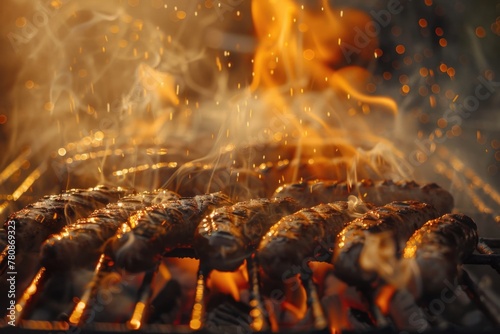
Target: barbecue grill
[(243, 97)]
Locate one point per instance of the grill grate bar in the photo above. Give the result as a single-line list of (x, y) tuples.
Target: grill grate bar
[(141, 307), (488, 259), (484, 303), (23, 305), (259, 314), (81, 307), (380, 319), (198, 312), (490, 242), (488, 254), (314, 303)]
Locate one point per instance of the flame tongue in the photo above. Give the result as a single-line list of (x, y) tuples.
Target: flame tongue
[(232, 283), (301, 48), (300, 45), (307, 83)]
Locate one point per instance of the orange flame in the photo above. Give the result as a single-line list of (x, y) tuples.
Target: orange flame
[(229, 282), (307, 83), (300, 49), (384, 297)]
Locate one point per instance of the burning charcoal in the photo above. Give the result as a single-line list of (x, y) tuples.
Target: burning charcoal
[(224, 315), (114, 299), (403, 310), (360, 320), (166, 302)]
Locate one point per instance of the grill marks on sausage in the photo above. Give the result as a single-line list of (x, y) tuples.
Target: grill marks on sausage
[(37, 221), (307, 235), (230, 234), (161, 228), (401, 219), (80, 244), (438, 248)]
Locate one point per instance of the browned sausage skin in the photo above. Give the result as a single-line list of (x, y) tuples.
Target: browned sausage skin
[(438, 248), (230, 234), (401, 219), (161, 228), (80, 244), (310, 193), (37, 221), (307, 235)]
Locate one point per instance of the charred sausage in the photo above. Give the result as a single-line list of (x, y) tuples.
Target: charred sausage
[(80, 244)]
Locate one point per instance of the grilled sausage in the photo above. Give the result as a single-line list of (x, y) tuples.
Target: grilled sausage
[(161, 228), (230, 234), (80, 244), (438, 248), (307, 235), (37, 221), (312, 193), (402, 219)]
